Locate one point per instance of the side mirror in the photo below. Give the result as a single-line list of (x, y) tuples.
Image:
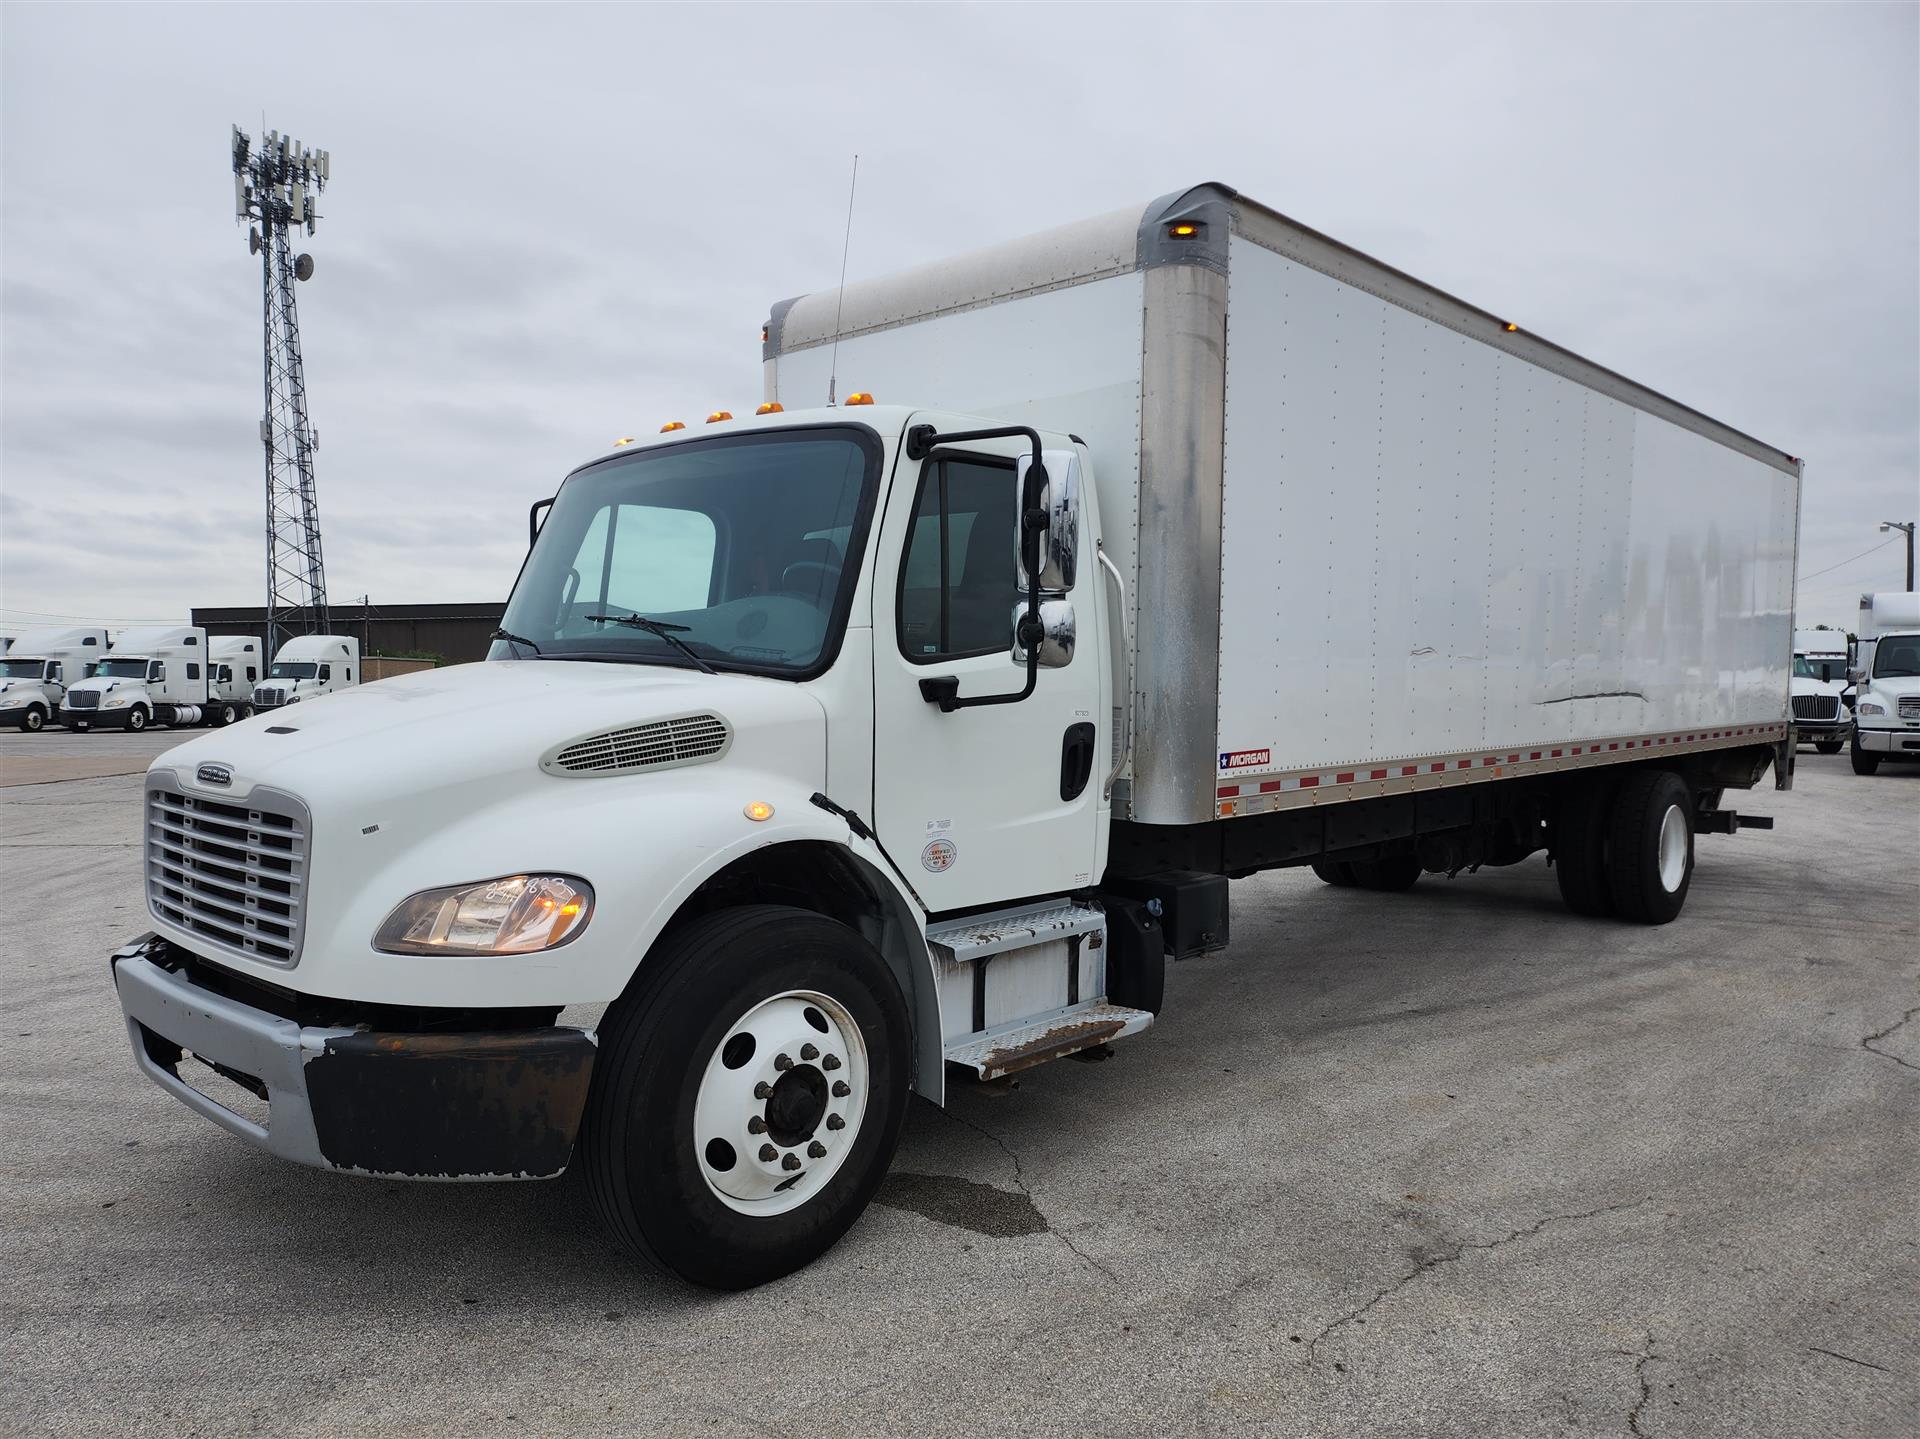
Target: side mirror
[(1056, 637), (1060, 501)]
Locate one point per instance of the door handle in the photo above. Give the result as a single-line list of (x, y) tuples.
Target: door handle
[(1076, 759)]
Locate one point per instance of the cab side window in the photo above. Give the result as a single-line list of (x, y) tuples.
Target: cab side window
[(193, 672), (156, 673), (326, 673), (958, 582)]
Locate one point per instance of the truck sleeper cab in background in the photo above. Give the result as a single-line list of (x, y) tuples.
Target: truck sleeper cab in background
[(840, 750)]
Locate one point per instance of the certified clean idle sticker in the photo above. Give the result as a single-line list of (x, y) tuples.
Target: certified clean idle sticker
[(939, 855)]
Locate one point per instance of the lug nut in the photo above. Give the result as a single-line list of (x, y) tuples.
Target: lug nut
[(763, 1090), (817, 1150), (783, 1061), (791, 1161), (807, 1051), (834, 1121), (756, 1125), (841, 1089), (768, 1154), (830, 1063)]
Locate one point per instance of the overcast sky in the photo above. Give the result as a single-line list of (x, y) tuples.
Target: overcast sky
[(549, 227)]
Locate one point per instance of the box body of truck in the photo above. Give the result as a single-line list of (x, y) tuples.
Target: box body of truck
[(1377, 540)]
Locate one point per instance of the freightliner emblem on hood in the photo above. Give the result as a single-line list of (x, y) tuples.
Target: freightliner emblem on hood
[(213, 774)]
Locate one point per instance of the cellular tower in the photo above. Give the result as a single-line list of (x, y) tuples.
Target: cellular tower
[(275, 188)]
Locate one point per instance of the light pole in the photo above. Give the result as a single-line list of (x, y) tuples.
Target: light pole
[(1907, 527)]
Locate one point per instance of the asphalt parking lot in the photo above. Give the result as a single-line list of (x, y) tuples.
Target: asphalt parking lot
[(1441, 1163)]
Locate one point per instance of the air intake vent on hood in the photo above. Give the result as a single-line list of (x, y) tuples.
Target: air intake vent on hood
[(690, 739)]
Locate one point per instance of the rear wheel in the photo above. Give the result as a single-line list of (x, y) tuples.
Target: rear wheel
[(1827, 746), (1335, 872), (749, 1095), (1580, 847), (1396, 872), (224, 715), (34, 720), (1650, 846), (1865, 761)]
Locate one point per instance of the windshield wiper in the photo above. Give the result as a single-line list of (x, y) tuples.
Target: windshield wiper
[(514, 639), (661, 630)]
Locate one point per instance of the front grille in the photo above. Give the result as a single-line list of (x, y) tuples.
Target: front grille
[(1816, 707), (235, 874), (647, 746), (83, 699), (1910, 707)]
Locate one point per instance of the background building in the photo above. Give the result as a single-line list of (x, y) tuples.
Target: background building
[(450, 633)]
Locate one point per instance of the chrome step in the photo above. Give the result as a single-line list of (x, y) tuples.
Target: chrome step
[(1015, 1047), (980, 935)]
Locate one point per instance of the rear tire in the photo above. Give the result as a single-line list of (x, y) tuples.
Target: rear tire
[(224, 715), (665, 1144), (1865, 761), (1395, 873), (1580, 847), (1336, 872), (1827, 746), (1650, 846)]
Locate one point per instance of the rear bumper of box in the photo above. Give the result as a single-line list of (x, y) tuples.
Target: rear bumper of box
[(404, 1105)]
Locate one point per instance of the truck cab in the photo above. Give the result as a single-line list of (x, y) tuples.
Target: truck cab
[(152, 675), (1822, 706), (1887, 676), (36, 671), (236, 670), (307, 667)]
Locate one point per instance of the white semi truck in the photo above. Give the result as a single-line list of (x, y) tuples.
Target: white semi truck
[(1887, 676), (236, 661), (1821, 695), (307, 667), (36, 671), (152, 675), (833, 748)]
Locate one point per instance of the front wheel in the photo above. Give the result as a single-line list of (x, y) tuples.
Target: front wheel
[(749, 1094), (136, 719), (1650, 846), (1827, 746), (1865, 761), (34, 720)]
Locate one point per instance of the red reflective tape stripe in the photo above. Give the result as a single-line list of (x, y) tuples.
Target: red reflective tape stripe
[(1227, 791), (1409, 769), (1344, 777), (1378, 774), (1268, 786), (1309, 781)]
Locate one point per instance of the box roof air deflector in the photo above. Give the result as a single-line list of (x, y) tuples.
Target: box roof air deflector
[(1208, 208)]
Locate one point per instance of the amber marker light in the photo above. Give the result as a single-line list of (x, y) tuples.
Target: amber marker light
[(758, 810), (860, 397), (718, 415), (1513, 329), (1182, 231), (772, 407), (623, 440), (672, 425)]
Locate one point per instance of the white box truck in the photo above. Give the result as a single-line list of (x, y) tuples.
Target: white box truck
[(1886, 722), (831, 748), (152, 675), (36, 671), (1820, 693), (307, 667)]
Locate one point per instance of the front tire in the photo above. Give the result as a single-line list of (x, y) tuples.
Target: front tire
[(1650, 846), (34, 720), (1827, 746), (136, 719), (1865, 761), (704, 1153)]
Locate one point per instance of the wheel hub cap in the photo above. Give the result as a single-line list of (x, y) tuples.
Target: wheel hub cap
[(1673, 848)]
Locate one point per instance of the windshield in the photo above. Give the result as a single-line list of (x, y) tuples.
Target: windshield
[(1825, 667), (293, 670), (121, 669), (746, 546), (1896, 655), (21, 669)]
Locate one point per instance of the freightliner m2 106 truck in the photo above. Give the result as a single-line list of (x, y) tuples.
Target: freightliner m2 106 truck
[(832, 749), (1887, 671)]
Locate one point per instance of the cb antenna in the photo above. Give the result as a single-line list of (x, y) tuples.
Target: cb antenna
[(840, 301)]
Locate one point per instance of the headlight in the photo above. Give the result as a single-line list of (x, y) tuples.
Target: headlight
[(113, 700), (1868, 707), (519, 914)]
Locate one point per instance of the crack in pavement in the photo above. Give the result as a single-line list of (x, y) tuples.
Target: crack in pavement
[(1835, 1354), (1867, 1043), (1359, 1315), (1642, 1357), (1020, 1178)]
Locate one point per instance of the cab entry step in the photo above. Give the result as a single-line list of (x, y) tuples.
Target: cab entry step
[(1017, 1047)]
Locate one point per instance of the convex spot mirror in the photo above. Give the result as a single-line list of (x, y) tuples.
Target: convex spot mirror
[(1060, 502), (1057, 633)]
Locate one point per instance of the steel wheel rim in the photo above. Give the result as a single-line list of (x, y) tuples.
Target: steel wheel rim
[(808, 1109), (1673, 848)]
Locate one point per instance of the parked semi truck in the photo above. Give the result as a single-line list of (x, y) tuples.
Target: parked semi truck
[(236, 661), (1821, 695), (152, 675), (307, 667), (1887, 679), (834, 748), (35, 673)]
